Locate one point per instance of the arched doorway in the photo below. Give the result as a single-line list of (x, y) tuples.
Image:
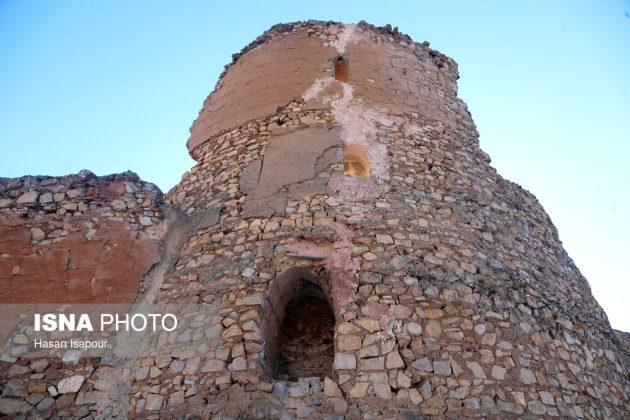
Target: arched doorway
[(299, 326)]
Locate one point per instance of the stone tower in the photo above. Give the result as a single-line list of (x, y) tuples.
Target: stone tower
[(349, 251)]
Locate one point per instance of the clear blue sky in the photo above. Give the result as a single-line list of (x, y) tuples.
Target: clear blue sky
[(115, 85)]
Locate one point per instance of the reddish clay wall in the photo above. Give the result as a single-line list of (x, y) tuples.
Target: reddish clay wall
[(76, 239), (401, 77)]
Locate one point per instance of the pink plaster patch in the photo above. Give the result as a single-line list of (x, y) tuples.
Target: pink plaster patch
[(112, 189), (309, 249), (342, 266), (375, 310)]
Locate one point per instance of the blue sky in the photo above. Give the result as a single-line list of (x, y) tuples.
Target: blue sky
[(115, 85)]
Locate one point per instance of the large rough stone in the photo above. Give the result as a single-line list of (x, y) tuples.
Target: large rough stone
[(240, 363), (359, 390), (498, 372), (154, 402), (394, 361), (476, 369), (337, 406), (442, 367), (433, 328), (46, 403), (28, 198), (331, 389), (537, 407), (527, 376), (371, 325), (9, 406), (434, 406), (344, 361), (423, 365), (382, 391), (415, 329), (349, 342), (14, 388), (71, 384), (372, 363), (213, 365)]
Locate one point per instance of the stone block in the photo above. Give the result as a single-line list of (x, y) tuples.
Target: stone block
[(154, 402), (344, 361), (71, 384)]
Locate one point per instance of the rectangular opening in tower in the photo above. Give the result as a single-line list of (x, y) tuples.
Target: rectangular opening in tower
[(342, 69), (355, 160)]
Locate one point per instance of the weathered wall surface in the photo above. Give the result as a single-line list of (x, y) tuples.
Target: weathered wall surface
[(78, 238), (451, 292), (461, 300), (282, 71), (72, 239)]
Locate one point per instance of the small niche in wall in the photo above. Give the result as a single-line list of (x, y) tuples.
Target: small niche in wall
[(355, 160), (342, 69)]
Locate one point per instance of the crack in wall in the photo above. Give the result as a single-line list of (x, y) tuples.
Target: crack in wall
[(288, 165), (358, 125)]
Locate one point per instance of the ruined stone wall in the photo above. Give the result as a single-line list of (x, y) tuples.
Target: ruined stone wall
[(78, 238), (72, 239), (451, 292)]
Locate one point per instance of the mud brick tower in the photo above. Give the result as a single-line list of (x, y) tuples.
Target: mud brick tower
[(356, 255)]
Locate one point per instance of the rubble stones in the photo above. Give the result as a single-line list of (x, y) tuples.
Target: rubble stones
[(536, 407), (476, 369), (11, 406), (498, 372), (422, 365), (344, 361), (28, 197), (14, 388), (442, 367)]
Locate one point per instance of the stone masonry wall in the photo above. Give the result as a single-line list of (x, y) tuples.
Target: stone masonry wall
[(450, 289), (72, 239), (464, 302), (386, 69)]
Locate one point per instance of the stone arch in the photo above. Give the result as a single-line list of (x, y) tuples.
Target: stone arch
[(298, 324)]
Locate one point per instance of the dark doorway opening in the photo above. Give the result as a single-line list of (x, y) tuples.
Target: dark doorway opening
[(307, 339), (300, 325)]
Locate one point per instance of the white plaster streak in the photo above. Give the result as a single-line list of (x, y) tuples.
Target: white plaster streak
[(317, 87), (358, 127), (348, 35), (358, 121)]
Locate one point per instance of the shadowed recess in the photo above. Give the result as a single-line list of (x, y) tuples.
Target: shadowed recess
[(355, 160), (299, 327), (342, 69)]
